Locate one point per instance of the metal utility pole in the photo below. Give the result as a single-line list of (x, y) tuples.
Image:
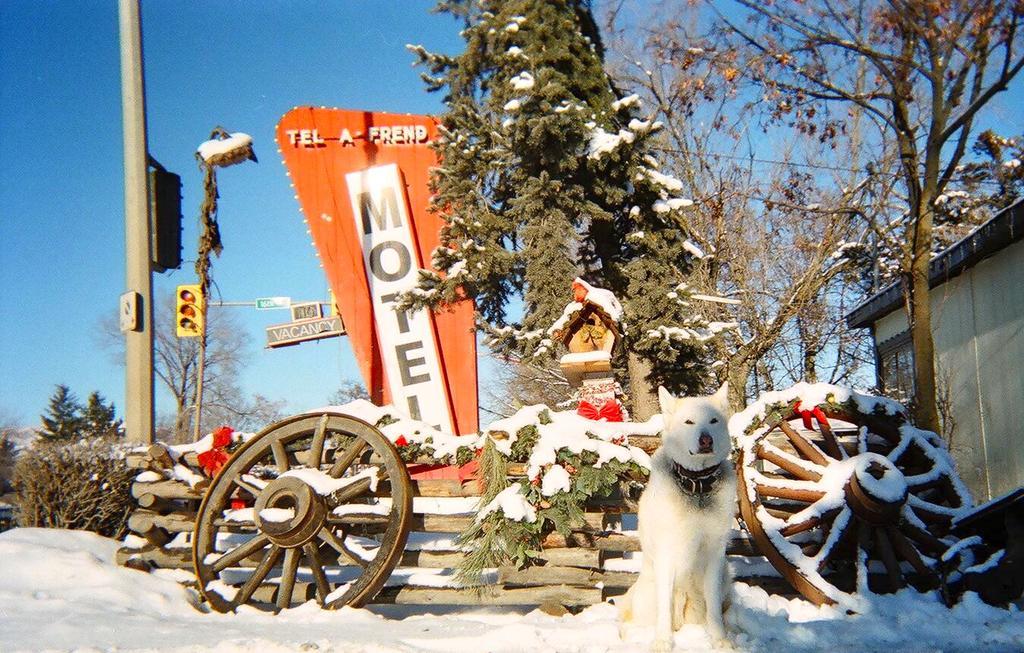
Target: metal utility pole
[(137, 302)]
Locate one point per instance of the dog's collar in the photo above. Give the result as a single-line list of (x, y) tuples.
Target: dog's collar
[(696, 483)]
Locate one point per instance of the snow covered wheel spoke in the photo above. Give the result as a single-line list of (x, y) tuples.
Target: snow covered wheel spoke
[(316, 567), (802, 445), (343, 550), (862, 504), (345, 459), (831, 444), (313, 507), (239, 553)]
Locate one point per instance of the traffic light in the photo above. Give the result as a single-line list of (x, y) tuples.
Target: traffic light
[(189, 316), (165, 217), (333, 309)]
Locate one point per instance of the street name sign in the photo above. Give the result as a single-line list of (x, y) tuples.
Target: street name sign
[(264, 303), (292, 333)]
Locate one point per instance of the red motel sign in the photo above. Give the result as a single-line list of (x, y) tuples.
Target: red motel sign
[(362, 180)]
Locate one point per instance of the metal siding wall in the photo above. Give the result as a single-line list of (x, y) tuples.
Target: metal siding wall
[(891, 325), (978, 324), (956, 356), (998, 285)]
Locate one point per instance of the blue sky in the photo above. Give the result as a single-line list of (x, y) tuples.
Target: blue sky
[(237, 64)]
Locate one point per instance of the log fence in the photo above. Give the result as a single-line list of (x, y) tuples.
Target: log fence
[(590, 566)]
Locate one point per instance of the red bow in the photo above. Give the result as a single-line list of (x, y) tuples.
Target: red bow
[(806, 415), (610, 411), (212, 460), (222, 436), (401, 441)]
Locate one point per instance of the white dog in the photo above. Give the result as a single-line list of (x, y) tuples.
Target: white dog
[(686, 513)]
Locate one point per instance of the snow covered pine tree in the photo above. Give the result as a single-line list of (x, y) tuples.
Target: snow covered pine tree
[(546, 176)]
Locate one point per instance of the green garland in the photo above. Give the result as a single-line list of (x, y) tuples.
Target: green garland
[(497, 540), (776, 412), (486, 540), (412, 451)]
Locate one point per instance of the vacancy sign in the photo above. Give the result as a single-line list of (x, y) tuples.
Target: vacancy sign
[(362, 180)]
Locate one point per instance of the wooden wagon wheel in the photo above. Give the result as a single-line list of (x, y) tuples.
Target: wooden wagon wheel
[(313, 506), (838, 515)]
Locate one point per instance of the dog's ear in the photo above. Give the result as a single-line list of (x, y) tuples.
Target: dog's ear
[(721, 397), (666, 400)]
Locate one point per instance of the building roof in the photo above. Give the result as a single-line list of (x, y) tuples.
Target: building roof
[(1005, 228)]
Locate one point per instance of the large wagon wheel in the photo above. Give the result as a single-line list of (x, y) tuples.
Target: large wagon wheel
[(313, 506), (838, 515)]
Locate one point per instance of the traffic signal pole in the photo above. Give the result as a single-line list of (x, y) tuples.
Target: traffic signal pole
[(138, 267)]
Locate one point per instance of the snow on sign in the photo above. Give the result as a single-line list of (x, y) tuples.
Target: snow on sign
[(407, 338), (326, 151)]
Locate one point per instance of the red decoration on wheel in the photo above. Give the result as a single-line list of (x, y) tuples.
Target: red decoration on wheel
[(610, 411), (806, 415)]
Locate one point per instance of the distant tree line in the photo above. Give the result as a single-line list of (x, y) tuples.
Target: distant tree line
[(67, 419)]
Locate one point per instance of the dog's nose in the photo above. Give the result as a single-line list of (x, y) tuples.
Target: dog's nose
[(705, 444)]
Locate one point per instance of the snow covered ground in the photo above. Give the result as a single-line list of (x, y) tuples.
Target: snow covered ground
[(61, 591)]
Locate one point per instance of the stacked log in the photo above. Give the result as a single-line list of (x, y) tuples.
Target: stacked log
[(167, 504), (591, 565)]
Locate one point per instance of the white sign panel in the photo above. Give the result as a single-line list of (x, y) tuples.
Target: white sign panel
[(308, 311), (407, 338), (128, 315)]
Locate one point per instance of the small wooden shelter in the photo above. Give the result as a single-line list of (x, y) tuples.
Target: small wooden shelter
[(589, 328)]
